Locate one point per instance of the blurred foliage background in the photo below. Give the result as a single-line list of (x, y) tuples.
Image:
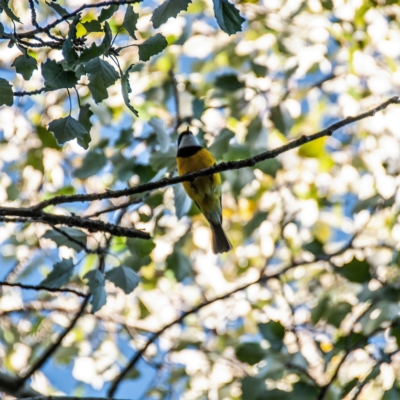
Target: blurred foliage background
[(306, 305)]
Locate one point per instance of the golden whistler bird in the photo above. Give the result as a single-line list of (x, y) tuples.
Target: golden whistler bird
[(205, 191)]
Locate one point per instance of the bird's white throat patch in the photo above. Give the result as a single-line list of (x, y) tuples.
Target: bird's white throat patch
[(188, 141)]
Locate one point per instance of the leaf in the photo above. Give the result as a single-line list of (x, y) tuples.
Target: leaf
[(337, 313), (84, 118), (126, 89), (250, 352), (304, 391), (168, 9), (153, 45), (68, 128), (8, 11), (106, 44), (96, 284), (62, 240), (162, 135), (252, 387), (97, 88), (228, 16), (179, 264), (182, 201), (25, 65), (258, 218), (372, 202), (167, 160), (6, 93), (107, 13), (395, 332), (60, 275), (130, 20), (221, 143), (92, 26), (229, 82), (55, 77), (356, 271), (274, 333), (140, 247), (93, 162), (123, 277), (92, 52), (57, 8), (107, 72), (68, 50)]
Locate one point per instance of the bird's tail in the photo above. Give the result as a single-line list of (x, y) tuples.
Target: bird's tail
[(220, 243)]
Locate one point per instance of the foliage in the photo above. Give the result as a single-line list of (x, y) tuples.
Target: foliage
[(92, 99)]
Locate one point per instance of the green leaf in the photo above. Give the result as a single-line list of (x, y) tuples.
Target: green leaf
[(68, 50), (153, 45), (321, 309), (60, 275), (179, 264), (92, 26), (250, 352), (274, 333), (1, 29), (159, 160), (336, 313), (84, 118), (126, 89), (130, 20), (107, 13), (96, 284), (57, 8), (181, 200), (395, 332), (372, 202), (221, 143), (64, 240), (228, 16), (356, 271), (107, 72), (304, 391), (123, 277), (252, 387), (25, 65), (8, 11), (6, 93), (92, 52), (140, 247), (68, 128), (107, 38), (392, 394), (55, 77), (168, 9), (97, 88), (93, 162), (229, 82), (269, 167)]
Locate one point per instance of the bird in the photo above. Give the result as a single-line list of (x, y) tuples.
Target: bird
[(205, 191)]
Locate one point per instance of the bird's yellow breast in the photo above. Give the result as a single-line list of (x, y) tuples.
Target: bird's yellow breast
[(206, 190)]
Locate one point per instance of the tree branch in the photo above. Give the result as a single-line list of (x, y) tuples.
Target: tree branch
[(30, 214), (223, 166), (47, 354), (40, 287)]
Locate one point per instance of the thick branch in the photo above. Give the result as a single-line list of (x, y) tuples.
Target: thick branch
[(224, 166), (40, 287), (35, 215)]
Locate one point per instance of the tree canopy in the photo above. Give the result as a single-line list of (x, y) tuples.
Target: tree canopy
[(109, 287)]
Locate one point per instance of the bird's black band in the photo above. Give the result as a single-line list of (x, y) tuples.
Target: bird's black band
[(188, 151)]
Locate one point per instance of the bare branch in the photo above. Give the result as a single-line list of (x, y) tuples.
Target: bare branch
[(34, 215), (40, 287), (224, 166)]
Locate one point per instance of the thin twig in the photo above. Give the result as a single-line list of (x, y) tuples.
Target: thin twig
[(223, 166), (41, 287), (48, 353)]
